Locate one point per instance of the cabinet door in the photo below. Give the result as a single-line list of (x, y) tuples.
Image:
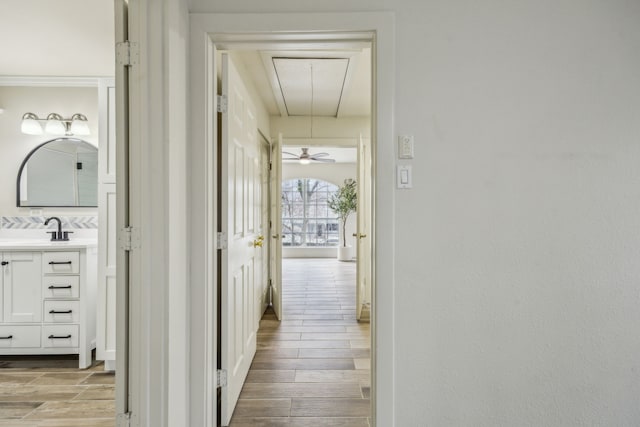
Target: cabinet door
[(23, 287)]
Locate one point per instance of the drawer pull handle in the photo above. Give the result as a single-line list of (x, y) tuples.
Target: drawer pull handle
[(60, 287), (59, 262), (60, 311), (8, 337), (59, 337)]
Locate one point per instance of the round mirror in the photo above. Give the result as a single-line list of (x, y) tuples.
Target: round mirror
[(62, 172)]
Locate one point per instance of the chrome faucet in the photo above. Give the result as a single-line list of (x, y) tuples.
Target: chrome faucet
[(58, 236)]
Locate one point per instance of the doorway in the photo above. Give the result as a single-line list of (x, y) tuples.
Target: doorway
[(212, 32), (239, 259)]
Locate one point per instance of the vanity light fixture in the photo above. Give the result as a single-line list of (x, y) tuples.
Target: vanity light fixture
[(55, 124)]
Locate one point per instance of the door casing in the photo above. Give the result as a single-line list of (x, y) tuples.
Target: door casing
[(210, 32)]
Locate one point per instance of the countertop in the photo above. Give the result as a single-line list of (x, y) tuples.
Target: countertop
[(45, 244)]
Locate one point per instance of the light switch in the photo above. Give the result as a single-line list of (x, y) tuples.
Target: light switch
[(404, 176), (405, 147)]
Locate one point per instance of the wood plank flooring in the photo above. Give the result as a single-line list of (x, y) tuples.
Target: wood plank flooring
[(312, 368), (50, 391)]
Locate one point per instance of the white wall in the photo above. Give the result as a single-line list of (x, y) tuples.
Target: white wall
[(516, 292), (15, 146), (334, 173), (322, 127)]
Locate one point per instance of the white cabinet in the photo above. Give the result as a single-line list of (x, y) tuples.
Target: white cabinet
[(48, 301), (22, 291)]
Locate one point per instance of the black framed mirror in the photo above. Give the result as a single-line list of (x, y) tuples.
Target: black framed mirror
[(62, 172)]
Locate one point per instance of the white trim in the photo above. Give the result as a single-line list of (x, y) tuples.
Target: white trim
[(277, 28), (44, 81)]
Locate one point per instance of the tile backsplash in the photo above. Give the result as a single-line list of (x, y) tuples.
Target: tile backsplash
[(37, 222)]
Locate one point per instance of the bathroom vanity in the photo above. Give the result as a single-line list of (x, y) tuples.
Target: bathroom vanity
[(48, 298)]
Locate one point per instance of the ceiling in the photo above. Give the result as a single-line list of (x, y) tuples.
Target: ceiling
[(329, 83), (310, 86)]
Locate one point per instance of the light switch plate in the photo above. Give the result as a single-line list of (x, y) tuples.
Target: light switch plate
[(405, 147), (404, 178)]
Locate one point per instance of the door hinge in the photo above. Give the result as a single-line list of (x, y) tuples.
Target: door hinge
[(221, 242), (221, 378), (127, 53), (223, 104), (270, 165), (123, 420), (129, 238)]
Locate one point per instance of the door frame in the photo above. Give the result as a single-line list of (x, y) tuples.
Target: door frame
[(217, 31)]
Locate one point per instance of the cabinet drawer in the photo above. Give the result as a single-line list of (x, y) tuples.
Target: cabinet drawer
[(19, 336), (60, 262), (61, 311), (59, 336), (61, 286)]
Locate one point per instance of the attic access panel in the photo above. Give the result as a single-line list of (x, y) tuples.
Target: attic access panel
[(311, 86)]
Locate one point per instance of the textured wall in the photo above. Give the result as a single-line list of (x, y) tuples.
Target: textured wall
[(516, 284)]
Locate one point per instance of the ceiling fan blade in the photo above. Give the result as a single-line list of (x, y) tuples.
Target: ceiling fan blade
[(319, 155), (323, 160), (291, 154)]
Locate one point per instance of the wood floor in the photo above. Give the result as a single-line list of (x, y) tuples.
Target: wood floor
[(50, 391), (312, 368)]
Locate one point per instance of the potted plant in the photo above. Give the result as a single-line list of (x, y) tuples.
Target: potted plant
[(343, 202)]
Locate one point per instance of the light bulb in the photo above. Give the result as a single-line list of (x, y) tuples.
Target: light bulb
[(30, 125), (79, 125), (54, 125)]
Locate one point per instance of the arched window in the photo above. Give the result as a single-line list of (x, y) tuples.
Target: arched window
[(306, 218)]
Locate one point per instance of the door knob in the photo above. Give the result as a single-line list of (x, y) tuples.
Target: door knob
[(258, 242), (359, 236), (276, 236)]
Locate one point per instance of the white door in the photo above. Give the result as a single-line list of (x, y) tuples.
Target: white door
[(128, 391), (239, 219), (276, 227), (265, 213), (363, 235), (22, 287)]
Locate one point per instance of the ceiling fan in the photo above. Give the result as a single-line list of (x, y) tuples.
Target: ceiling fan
[(305, 157)]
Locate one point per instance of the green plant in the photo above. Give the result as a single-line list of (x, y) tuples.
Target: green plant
[(343, 202)]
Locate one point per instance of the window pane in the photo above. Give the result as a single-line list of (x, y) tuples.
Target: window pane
[(306, 218)]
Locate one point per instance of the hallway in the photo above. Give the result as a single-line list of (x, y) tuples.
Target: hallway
[(311, 369)]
